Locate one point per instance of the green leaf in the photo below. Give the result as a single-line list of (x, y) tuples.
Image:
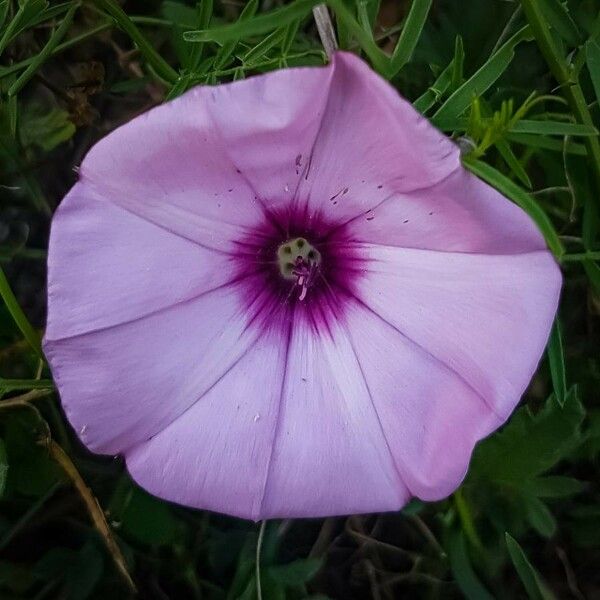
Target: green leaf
[(530, 444), (592, 57), (28, 11), (30, 334), (457, 64), (150, 520), (556, 358), (483, 79), (45, 129), (254, 26), (558, 16), (411, 32), (297, 572), (546, 143), (46, 52), (3, 467), (534, 585), (424, 102), (463, 571), (155, 60), (539, 516), (556, 486), (226, 50), (510, 189), (513, 162), (553, 128)]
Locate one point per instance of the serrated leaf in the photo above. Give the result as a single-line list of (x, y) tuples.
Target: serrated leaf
[(534, 585), (556, 486), (530, 445)]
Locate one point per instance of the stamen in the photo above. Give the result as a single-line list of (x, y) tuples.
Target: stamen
[(299, 262)]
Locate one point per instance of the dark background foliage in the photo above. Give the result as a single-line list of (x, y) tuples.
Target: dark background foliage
[(526, 521)]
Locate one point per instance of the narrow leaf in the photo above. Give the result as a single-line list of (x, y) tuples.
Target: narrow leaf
[(483, 79), (32, 337), (513, 162), (46, 52), (155, 60), (592, 57), (535, 587), (553, 128), (556, 358), (411, 32), (463, 571), (255, 26), (558, 16)]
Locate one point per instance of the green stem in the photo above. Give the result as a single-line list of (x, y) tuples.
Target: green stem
[(18, 315), (466, 519), (565, 77)]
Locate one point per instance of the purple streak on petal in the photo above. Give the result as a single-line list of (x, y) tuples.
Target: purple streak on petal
[(107, 266), (431, 418), (121, 385), (460, 213), (372, 143), (468, 310), (214, 456)]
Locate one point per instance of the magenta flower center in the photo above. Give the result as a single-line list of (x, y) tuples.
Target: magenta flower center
[(296, 265)]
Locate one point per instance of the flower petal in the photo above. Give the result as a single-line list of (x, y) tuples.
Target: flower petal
[(372, 143), (107, 266), (460, 213), (211, 160), (431, 417), (216, 454), (330, 455), (289, 432), (121, 385), (486, 317)]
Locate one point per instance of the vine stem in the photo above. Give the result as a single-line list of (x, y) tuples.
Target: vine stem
[(325, 29), (261, 535)]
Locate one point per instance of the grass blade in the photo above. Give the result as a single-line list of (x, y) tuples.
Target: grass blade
[(46, 52), (559, 18), (592, 57), (254, 26), (513, 163), (483, 79), (536, 588), (411, 32), (556, 358), (553, 128), (16, 312), (155, 60)]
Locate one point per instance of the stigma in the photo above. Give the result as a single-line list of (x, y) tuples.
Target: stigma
[(299, 262)]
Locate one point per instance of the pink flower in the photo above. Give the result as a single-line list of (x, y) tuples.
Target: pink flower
[(284, 297)]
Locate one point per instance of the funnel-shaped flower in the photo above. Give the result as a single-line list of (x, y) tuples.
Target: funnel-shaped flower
[(285, 297)]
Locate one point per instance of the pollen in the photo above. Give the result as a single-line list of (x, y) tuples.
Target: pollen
[(295, 253)]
